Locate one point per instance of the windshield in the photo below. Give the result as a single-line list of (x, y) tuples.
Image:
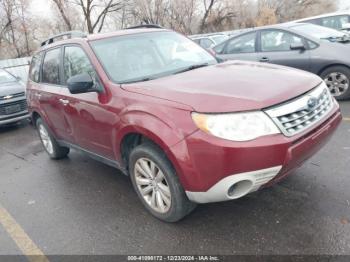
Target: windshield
[(319, 32), (6, 77), (147, 56)]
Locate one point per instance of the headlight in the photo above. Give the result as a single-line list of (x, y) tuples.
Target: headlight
[(236, 126)]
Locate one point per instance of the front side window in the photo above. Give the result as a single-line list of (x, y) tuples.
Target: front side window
[(51, 67), (6, 77), (147, 56), (276, 40), (76, 62), (336, 22), (34, 73), (242, 44)]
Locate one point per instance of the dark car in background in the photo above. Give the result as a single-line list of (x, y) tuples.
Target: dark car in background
[(293, 45), (13, 105)]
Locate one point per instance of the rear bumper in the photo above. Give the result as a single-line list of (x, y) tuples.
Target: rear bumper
[(213, 170)]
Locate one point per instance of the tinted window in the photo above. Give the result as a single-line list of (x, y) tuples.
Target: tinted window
[(34, 73), (51, 67), (276, 40), (336, 22), (76, 62), (242, 44)]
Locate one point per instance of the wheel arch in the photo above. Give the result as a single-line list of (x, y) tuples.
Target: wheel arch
[(332, 65)]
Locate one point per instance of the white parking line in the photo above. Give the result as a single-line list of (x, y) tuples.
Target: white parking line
[(22, 240)]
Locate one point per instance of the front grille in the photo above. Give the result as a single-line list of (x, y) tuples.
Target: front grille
[(296, 116), (2, 98), (13, 107)]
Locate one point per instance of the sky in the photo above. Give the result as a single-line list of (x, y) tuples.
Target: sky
[(41, 7)]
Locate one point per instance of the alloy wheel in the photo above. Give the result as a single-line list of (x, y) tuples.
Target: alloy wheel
[(338, 83), (152, 185), (45, 138)]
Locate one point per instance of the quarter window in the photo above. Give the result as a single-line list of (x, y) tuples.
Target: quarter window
[(76, 62), (51, 67), (278, 41), (242, 44), (34, 73)]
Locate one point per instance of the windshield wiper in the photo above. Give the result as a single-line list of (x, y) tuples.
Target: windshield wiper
[(192, 67), (136, 80)]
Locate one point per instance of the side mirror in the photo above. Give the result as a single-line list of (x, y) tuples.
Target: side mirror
[(346, 27), (82, 83), (297, 46)]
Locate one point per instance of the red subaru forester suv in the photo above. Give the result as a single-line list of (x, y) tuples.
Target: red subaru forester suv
[(184, 127)]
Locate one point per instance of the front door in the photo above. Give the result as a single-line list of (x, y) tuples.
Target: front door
[(87, 114)]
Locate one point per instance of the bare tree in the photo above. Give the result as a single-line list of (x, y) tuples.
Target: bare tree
[(208, 6), (62, 8), (99, 9)]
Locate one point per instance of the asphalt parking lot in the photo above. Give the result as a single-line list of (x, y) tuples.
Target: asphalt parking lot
[(80, 206)]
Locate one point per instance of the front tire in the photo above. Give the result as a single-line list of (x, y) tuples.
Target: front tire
[(50, 144), (155, 182), (337, 79)]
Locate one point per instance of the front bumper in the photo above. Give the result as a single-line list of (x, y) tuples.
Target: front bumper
[(213, 170), (15, 118)]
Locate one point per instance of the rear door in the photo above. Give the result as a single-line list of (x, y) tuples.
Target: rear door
[(239, 48), (87, 114), (275, 47)]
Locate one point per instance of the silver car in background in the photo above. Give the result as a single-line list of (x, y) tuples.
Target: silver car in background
[(13, 104), (319, 50)]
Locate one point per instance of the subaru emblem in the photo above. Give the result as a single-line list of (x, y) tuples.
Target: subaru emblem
[(312, 103)]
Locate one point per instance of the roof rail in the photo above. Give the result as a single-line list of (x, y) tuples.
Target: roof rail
[(145, 26), (68, 35)]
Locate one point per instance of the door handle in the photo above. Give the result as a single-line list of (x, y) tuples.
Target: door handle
[(64, 101), (264, 59)]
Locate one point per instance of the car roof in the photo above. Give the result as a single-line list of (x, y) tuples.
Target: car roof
[(99, 36), (322, 16), (283, 26)]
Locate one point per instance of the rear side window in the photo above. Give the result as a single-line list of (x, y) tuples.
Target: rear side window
[(76, 62), (242, 44), (51, 67), (34, 73)]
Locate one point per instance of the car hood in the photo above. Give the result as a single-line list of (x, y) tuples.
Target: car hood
[(11, 88), (229, 87)]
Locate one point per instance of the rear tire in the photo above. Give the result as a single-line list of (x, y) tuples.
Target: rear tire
[(337, 79), (157, 185), (50, 144)]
